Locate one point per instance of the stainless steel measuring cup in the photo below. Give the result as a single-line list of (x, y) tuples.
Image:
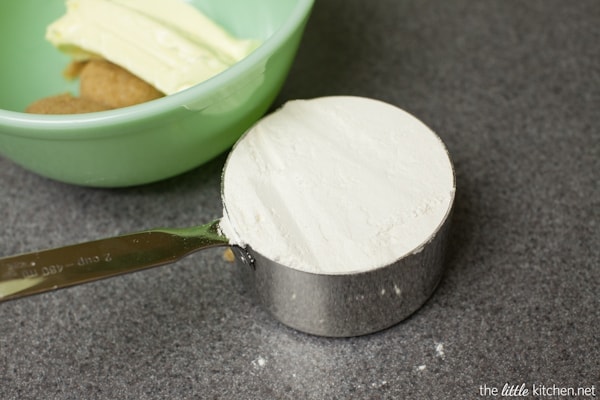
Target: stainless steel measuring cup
[(327, 305), (336, 304)]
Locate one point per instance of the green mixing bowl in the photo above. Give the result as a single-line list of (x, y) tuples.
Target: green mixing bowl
[(150, 141)]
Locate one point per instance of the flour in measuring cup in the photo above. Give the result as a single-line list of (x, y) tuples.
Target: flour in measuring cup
[(336, 185)]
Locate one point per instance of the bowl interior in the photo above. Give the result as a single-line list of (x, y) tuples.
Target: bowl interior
[(32, 67)]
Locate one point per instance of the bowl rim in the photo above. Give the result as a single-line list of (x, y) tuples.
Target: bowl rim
[(71, 125)]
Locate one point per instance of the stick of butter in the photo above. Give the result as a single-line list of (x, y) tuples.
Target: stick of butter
[(168, 43)]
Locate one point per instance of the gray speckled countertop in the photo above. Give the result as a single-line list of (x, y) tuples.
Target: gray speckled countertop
[(512, 87)]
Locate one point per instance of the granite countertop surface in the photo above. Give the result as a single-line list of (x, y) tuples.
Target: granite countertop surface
[(513, 89)]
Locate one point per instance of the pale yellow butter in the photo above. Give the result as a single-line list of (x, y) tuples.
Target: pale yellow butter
[(168, 43)]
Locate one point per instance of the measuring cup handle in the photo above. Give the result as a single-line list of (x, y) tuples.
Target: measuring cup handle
[(46, 270)]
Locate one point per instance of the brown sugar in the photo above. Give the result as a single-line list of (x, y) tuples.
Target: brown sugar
[(228, 255), (64, 104), (74, 69), (102, 86), (104, 82)]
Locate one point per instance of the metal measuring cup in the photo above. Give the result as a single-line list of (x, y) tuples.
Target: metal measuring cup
[(327, 305), (320, 304), (337, 305)]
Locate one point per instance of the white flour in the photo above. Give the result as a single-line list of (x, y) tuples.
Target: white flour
[(336, 185)]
